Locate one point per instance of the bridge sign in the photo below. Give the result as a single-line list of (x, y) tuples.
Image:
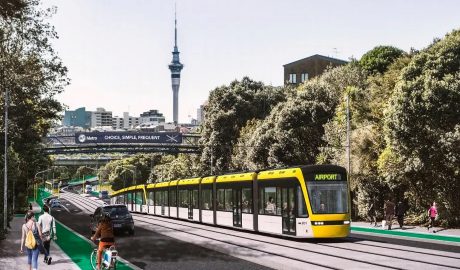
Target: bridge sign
[(128, 137)]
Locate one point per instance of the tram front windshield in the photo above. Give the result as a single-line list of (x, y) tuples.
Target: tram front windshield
[(328, 197)]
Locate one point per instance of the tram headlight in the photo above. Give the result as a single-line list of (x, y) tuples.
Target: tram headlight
[(346, 222)]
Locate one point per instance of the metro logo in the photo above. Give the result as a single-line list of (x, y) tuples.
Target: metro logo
[(328, 176)]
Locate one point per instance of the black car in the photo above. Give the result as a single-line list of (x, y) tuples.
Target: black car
[(121, 218)]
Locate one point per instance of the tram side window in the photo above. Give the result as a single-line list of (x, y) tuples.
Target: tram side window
[(183, 198), (157, 198), (150, 198), (302, 210), (164, 198), (129, 197), (172, 197), (206, 199), (269, 201), (195, 198), (228, 200), (221, 200), (139, 197), (247, 200)]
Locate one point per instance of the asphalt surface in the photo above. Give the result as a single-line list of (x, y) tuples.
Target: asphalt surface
[(150, 250), (432, 245)]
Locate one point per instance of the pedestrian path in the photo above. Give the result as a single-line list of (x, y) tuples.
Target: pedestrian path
[(11, 258), (451, 236)]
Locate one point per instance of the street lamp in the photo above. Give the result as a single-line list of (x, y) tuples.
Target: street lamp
[(5, 158), (133, 171), (35, 178)]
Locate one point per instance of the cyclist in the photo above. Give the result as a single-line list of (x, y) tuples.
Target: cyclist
[(104, 231)]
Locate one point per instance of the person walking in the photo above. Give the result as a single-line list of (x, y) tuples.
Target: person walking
[(432, 214), (32, 253), (371, 214), (389, 211), (48, 227), (400, 212)]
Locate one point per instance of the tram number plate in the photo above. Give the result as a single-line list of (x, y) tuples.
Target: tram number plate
[(117, 225)]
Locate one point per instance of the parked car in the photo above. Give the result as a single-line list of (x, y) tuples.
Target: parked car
[(48, 200), (55, 204), (104, 194), (121, 218)]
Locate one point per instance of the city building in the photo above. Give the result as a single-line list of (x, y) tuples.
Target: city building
[(200, 115), (152, 116), (175, 68), (118, 123), (130, 122), (101, 118), (77, 118), (126, 122), (301, 70)]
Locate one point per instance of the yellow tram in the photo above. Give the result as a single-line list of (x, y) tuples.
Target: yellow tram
[(304, 202)]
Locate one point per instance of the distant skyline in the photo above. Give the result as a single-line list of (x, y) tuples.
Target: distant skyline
[(118, 52)]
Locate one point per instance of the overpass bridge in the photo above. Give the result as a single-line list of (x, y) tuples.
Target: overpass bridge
[(89, 143)]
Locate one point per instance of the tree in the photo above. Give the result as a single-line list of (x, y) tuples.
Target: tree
[(12, 8), (228, 110), (33, 74), (174, 168), (422, 128), (379, 58), (293, 133)]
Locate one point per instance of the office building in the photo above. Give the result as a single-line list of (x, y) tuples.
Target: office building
[(301, 70)]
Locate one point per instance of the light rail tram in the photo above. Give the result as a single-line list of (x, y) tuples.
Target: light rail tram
[(311, 201)]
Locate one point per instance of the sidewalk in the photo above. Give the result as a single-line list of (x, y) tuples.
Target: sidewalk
[(451, 236), (11, 258)]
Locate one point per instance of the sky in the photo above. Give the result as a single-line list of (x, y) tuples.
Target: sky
[(118, 51)]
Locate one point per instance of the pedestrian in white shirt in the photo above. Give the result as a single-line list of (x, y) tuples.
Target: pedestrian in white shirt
[(48, 226)]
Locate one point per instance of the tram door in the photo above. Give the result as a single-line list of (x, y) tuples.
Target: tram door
[(237, 207), (163, 201), (288, 210), (190, 203)]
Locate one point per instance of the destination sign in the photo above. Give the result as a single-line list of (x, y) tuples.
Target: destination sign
[(328, 177), (127, 137)]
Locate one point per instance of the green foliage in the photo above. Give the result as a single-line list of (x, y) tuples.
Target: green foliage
[(174, 168), (380, 58), (422, 126), (33, 74), (228, 110), (129, 171)]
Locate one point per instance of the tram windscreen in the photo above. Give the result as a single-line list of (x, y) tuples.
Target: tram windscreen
[(328, 196)]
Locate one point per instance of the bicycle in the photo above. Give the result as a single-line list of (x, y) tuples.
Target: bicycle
[(108, 259)]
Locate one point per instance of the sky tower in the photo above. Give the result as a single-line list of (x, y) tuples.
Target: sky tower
[(175, 68)]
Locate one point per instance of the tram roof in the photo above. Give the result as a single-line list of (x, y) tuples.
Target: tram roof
[(208, 180), (191, 181), (279, 173), (235, 177)]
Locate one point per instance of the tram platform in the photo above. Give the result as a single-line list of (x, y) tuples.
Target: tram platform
[(420, 233)]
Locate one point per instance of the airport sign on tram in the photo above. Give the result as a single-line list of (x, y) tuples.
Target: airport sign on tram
[(128, 137)]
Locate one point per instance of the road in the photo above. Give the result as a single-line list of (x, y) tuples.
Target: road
[(176, 244), (150, 250)]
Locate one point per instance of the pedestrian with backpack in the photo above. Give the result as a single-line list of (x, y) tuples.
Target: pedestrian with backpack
[(31, 237), (48, 227)]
